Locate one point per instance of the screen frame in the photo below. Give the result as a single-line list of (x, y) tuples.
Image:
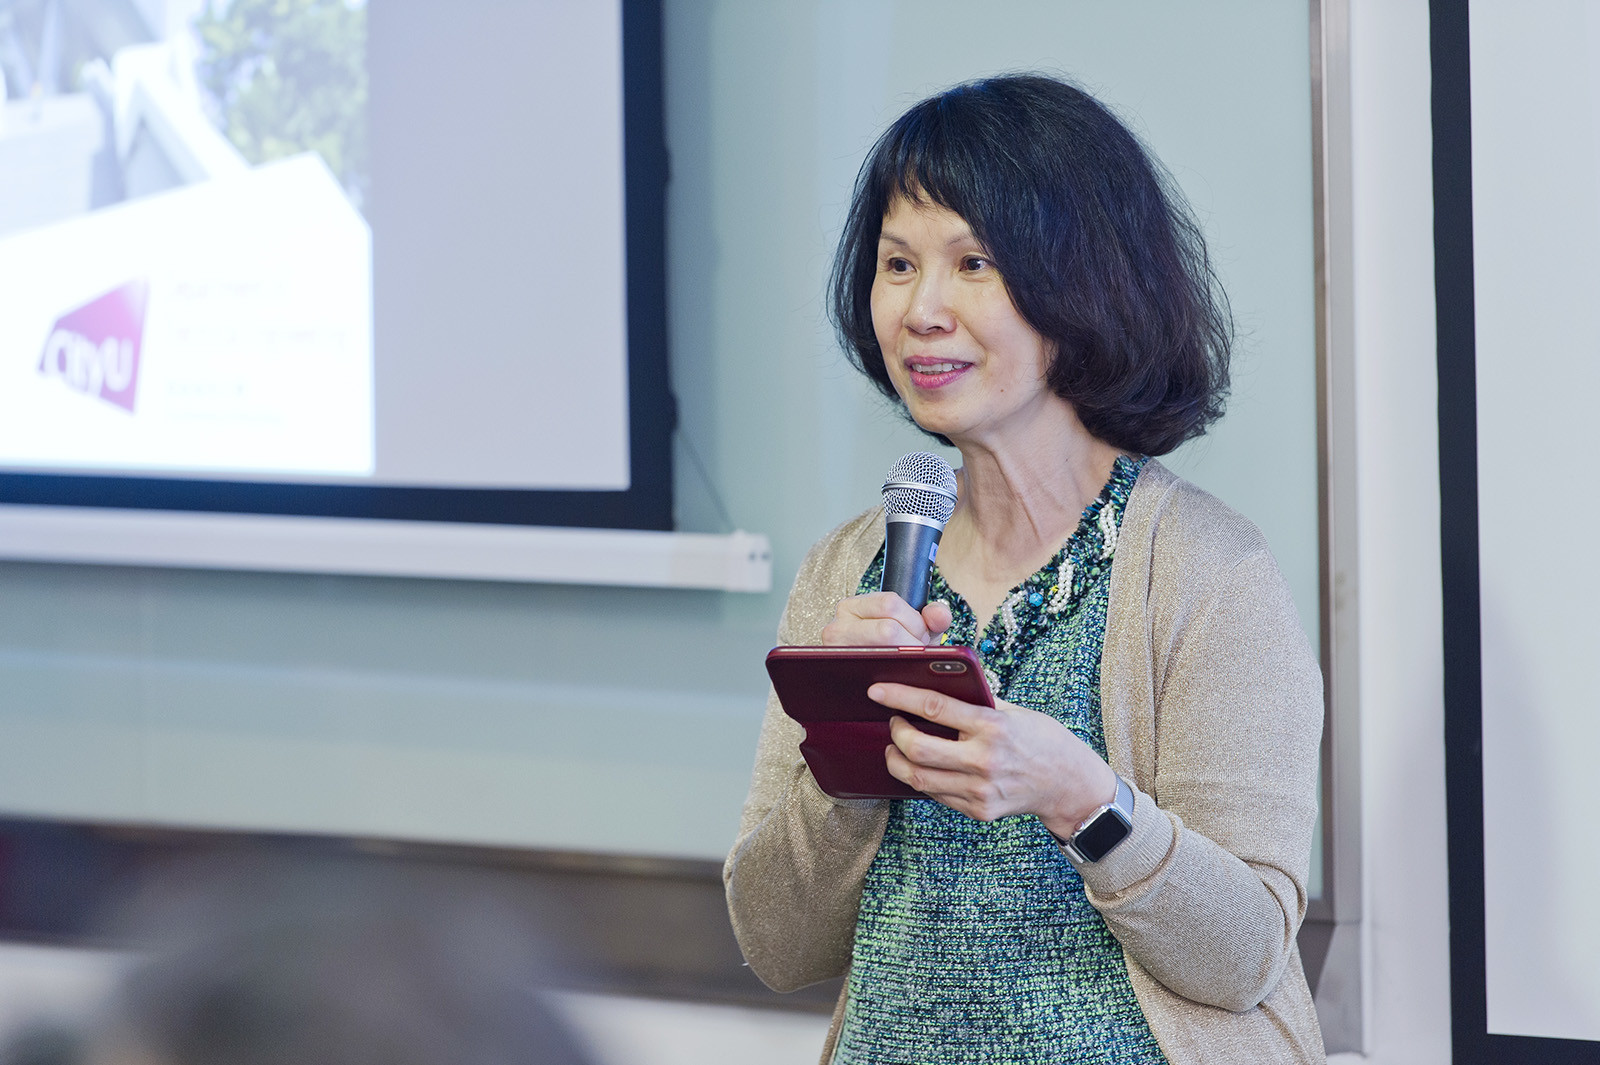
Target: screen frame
[(1472, 1042), (645, 504)]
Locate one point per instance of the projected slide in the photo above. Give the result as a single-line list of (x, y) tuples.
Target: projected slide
[(177, 299), (1536, 225), (221, 326), (313, 241)]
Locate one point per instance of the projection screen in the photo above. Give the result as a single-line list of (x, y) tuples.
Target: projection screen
[(324, 259), (1518, 230)]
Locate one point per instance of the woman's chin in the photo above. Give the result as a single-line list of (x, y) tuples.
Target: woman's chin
[(928, 422)]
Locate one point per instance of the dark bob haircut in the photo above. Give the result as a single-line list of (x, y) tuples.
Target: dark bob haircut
[(1097, 249)]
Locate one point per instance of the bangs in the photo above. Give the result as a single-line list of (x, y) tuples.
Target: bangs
[(937, 154)]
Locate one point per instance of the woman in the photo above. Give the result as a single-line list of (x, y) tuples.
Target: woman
[(1114, 866)]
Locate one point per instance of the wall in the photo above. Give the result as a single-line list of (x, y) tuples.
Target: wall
[(625, 720), (1406, 948)]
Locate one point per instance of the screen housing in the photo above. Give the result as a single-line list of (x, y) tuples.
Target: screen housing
[(645, 504), (1454, 281)]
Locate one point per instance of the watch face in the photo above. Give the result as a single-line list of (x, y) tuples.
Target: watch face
[(1100, 835)]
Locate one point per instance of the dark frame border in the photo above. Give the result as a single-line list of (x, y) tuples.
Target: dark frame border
[(646, 504), (1458, 540)]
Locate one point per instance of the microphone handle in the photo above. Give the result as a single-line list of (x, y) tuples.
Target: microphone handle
[(908, 552)]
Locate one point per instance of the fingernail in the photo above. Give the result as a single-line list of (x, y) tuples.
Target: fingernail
[(875, 693)]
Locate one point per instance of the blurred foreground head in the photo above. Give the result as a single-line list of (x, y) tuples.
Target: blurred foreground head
[(337, 962)]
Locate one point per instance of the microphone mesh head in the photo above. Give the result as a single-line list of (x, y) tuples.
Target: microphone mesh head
[(921, 484)]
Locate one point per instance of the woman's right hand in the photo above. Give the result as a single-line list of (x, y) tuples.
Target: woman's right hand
[(883, 619)]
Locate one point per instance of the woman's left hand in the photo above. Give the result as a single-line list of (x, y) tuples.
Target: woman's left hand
[(1008, 759)]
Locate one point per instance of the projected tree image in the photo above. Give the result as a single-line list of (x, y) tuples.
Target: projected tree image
[(289, 76)]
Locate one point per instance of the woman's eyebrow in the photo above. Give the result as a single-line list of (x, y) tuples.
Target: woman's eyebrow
[(900, 242)]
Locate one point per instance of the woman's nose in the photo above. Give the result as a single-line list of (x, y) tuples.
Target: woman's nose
[(930, 310)]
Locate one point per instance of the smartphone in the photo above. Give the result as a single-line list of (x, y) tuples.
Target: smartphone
[(825, 689)]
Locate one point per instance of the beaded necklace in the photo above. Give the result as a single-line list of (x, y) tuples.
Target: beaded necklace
[(1054, 591)]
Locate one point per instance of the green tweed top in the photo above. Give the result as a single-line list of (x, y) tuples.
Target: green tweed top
[(975, 941)]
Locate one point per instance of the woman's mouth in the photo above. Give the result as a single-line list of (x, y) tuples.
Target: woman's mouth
[(935, 373)]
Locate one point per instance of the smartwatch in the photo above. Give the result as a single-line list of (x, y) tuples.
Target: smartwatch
[(1102, 830)]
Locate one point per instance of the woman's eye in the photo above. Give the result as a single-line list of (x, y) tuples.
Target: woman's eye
[(895, 265), (975, 262)]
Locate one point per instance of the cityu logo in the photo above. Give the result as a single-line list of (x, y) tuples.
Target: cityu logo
[(95, 349)]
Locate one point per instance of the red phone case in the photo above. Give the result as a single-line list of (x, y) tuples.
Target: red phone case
[(825, 689)]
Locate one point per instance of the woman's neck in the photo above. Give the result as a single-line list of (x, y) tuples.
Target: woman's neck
[(1017, 505)]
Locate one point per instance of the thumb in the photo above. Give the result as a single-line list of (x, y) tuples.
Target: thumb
[(937, 616)]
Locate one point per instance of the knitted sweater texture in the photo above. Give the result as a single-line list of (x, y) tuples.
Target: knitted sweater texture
[(1211, 705)]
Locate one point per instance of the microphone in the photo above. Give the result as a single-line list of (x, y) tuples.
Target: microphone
[(919, 495)]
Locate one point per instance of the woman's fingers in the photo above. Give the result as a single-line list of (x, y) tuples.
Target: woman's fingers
[(880, 619), (936, 752), (924, 778), (868, 632), (931, 705), (1007, 759), (973, 795)]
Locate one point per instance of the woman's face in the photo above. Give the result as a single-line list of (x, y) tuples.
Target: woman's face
[(963, 359)]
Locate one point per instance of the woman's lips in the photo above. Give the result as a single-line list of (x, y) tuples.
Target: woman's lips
[(935, 373)]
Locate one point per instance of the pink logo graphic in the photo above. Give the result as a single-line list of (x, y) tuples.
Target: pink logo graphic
[(95, 349)]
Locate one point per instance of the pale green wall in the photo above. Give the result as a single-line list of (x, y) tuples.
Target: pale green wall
[(624, 720)]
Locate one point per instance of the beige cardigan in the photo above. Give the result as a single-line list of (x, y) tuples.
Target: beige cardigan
[(1212, 704)]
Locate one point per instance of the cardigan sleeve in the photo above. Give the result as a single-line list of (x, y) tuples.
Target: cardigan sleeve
[(794, 876), (1208, 892)]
